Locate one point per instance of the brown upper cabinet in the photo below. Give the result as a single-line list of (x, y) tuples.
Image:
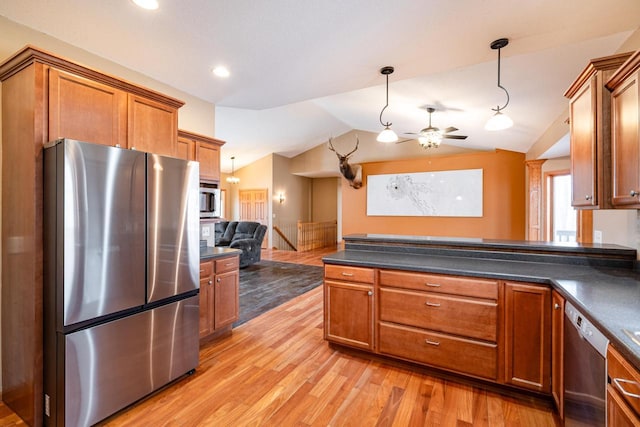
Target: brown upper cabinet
[(590, 134), (204, 149), (45, 97), (625, 137)]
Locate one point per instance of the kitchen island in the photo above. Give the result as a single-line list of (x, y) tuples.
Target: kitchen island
[(486, 280)]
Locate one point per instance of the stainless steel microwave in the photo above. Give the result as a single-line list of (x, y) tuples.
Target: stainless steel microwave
[(209, 202)]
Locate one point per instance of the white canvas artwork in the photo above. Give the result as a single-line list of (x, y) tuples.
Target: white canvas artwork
[(444, 193)]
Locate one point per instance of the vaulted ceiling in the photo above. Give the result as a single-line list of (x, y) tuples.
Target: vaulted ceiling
[(304, 70)]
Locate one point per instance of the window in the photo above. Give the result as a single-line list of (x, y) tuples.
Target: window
[(561, 216)]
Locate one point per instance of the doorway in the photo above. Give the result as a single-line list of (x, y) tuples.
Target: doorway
[(254, 207)]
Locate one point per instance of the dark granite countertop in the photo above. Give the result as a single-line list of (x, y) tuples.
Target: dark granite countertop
[(210, 252), (608, 296)]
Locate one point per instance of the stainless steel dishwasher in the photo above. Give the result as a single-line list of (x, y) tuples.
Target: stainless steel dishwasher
[(585, 371)]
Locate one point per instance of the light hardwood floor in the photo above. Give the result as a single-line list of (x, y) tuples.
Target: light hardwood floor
[(277, 370)]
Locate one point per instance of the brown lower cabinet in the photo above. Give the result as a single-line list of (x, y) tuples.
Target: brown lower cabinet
[(623, 389), (349, 306), (219, 295), (557, 351), (527, 326), (489, 329)]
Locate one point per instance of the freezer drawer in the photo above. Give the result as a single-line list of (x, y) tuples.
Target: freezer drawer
[(110, 366)]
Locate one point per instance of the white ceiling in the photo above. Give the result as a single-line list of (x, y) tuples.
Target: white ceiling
[(304, 70)]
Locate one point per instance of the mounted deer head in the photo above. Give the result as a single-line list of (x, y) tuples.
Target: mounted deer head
[(352, 173)]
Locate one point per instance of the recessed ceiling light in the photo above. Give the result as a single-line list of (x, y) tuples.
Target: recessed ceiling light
[(221, 71), (147, 4)]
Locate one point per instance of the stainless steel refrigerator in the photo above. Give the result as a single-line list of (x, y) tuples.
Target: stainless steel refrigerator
[(121, 277)]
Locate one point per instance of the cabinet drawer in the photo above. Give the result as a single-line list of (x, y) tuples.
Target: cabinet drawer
[(624, 379), (471, 318), (472, 287), (206, 268), (227, 264), (439, 350), (351, 274)]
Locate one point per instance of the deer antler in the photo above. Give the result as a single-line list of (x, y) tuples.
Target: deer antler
[(354, 150), (331, 146)]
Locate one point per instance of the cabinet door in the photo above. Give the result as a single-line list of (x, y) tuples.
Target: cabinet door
[(86, 110), (185, 149), (618, 412), (226, 299), (527, 328), (206, 298), (626, 143), (348, 314), (206, 307), (152, 126), (209, 158), (557, 351), (582, 128)]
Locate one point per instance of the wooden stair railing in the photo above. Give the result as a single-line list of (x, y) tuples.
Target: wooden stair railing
[(281, 234)]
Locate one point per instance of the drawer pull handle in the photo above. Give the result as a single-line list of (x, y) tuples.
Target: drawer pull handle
[(201, 271), (369, 293), (436, 343), (229, 264), (432, 304), (617, 382), (634, 193), (347, 274), (433, 285)]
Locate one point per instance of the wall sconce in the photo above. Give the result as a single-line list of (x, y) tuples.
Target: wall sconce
[(281, 197)]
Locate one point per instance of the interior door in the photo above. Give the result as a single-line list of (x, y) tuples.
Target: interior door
[(254, 207)]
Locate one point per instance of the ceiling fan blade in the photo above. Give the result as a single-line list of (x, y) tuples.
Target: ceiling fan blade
[(411, 133), (455, 136), (404, 140), (450, 129)]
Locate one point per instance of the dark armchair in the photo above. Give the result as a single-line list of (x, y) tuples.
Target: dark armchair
[(244, 235)]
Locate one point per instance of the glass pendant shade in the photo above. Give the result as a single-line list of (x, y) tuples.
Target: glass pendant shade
[(233, 179), (430, 138), (147, 4), (387, 135), (498, 121)]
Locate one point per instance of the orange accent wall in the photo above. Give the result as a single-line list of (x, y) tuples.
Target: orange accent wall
[(503, 191)]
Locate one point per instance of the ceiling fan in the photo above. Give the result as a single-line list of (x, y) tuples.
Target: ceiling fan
[(432, 136)]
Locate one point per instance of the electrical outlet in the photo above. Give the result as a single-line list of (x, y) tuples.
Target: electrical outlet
[(597, 236), (206, 231)]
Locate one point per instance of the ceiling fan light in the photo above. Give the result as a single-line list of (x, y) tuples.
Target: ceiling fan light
[(387, 135), (499, 121), (430, 138)]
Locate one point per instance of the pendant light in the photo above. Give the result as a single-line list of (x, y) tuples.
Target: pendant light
[(387, 134), (499, 120), (233, 179)]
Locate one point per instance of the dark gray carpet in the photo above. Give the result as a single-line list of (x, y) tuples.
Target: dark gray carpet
[(267, 284)]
